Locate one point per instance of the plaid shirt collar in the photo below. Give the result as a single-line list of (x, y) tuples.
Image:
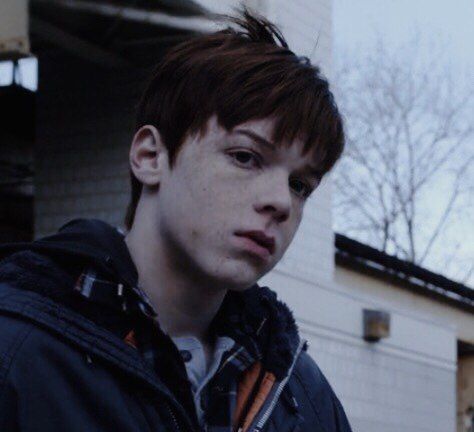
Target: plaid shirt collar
[(115, 295)]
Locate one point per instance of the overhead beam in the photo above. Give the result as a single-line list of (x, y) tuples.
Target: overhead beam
[(75, 45), (200, 24)]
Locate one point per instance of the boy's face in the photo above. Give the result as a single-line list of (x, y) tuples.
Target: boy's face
[(223, 185)]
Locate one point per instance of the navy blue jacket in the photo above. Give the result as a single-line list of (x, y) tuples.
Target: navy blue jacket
[(64, 365)]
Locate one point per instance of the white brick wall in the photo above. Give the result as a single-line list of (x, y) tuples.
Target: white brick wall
[(384, 392)]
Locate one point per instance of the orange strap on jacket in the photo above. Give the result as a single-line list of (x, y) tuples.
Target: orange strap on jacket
[(246, 384), (130, 339)]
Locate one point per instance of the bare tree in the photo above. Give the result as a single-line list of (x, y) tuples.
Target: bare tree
[(408, 166)]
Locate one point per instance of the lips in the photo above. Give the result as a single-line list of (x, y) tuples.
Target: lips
[(260, 238)]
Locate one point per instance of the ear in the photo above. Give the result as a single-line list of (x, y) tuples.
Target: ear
[(148, 156)]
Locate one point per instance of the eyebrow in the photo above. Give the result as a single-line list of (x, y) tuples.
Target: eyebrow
[(257, 138), (271, 146)]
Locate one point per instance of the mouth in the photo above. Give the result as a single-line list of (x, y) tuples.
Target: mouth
[(258, 242)]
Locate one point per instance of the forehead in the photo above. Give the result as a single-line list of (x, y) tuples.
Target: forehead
[(262, 127)]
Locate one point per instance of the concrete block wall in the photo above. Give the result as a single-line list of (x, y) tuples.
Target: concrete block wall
[(386, 392), (85, 122)]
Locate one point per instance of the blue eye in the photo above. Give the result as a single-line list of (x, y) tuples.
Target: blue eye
[(301, 188), (246, 159)]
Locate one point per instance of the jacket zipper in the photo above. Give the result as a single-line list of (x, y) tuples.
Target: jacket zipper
[(175, 421), (259, 422)]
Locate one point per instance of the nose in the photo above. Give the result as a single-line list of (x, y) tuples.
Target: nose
[(275, 197)]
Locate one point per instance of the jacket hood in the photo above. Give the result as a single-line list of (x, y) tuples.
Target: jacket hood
[(82, 242), (50, 266)]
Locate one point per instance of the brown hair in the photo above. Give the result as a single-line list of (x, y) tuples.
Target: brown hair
[(240, 74)]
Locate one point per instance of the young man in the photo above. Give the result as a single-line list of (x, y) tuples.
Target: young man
[(163, 327)]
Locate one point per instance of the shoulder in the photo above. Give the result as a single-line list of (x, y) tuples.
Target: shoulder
[(308, 369), (25, 344), (22, 346), (313, 391), (13, 329), (311, 379), (37, 368), (13, 333)]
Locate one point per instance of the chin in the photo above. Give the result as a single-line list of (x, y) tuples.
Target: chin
[(238, 283), (239, 277), (241, 288)]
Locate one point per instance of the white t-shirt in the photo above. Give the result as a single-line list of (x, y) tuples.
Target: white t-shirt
[(199, 373)]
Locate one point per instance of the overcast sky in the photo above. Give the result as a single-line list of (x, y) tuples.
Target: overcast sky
[(358, 23)]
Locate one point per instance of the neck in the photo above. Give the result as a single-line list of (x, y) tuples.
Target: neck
[(185, 305)]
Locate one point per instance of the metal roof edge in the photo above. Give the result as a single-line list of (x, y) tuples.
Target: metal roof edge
[(361, 257)]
